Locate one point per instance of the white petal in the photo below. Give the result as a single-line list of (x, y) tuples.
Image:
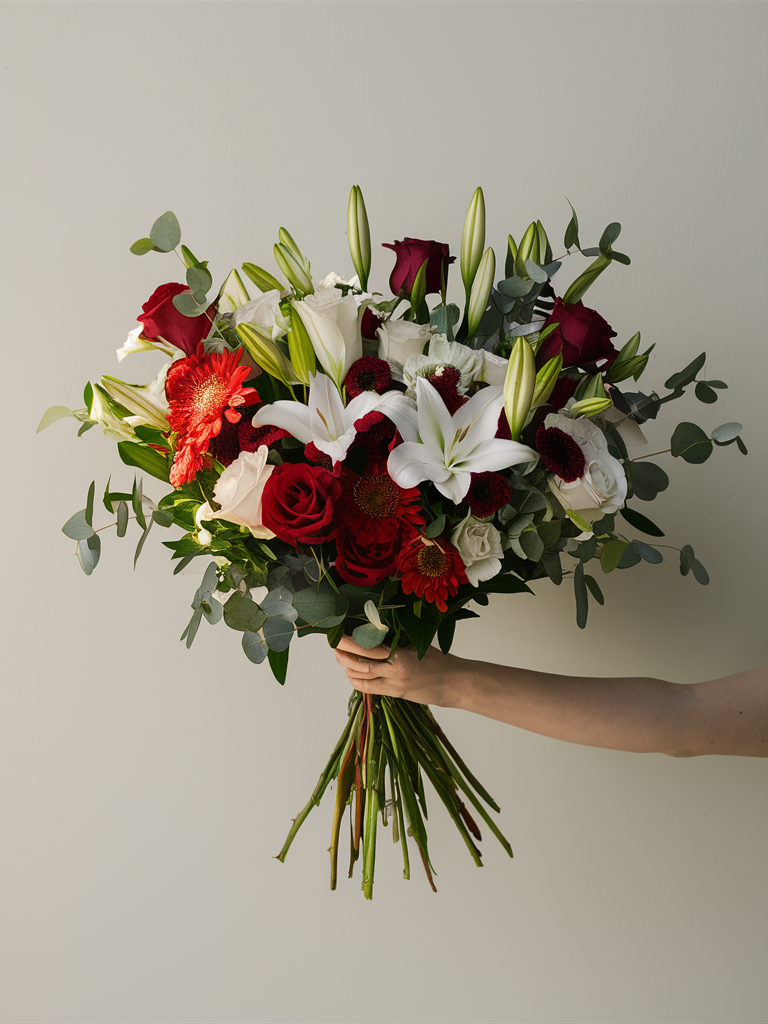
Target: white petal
[(495, 454), (436, 426), (326, 411), (403, 413), (455, 487), (485, 569), (409, 464), (291, 416), (481, 413)]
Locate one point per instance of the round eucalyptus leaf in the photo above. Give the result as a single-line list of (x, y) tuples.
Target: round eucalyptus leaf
[(213, 611), (648, 553), (88, 552), (726, 432), (166, 232), (142, 246), (185, 303), (704, 393), (254, 647), (199, 280), (77, 528), (278, 631), (515, 287), (647, 479), (630, 557), (690, 443), (701, 574), (368, 636)]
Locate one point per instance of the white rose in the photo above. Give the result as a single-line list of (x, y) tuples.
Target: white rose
[(332, 321), (494, 369), (479, 545), (264, 312), (602, 488), (239, 491), (399, 339)]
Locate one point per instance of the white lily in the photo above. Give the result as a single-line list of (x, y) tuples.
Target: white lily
[(324, 420), (146, 402), (447, 449), (135, 343)]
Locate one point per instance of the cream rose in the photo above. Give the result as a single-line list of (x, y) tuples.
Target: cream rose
[(479, 544), (399, 339), (263, 312), (239, 491), (602, 487), (332, 321)]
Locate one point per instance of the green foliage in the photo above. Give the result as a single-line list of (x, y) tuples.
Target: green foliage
[(594, 589), (690, 443), (435, 528), (368, 636), (278, 662), (726, 432), (320, 606), (77, 527), (572, 231), (582, 601), (444, 318), (146, 459), (640, 522), (647, 479), (88, 552), (689, 563), (611, 554), (89, 503), (142, 246), (165, 234), (241, 613), (261, 278), (56, 412), (686, 376)]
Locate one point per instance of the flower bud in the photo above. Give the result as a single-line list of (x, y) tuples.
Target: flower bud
[(300, 349), (589, 407), (480, 291), (265, 353), (529, 247), (233, 294), (359, 236), (546, 379), (292, 265), (263, 280), (473, 239), (519, 386)]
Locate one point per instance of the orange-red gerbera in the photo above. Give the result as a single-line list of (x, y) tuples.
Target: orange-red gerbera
[(200, 390), (432, 569)]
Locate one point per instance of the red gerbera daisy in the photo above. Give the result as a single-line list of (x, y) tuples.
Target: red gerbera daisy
[(201, 389), (432, 569), (367, 374), (374, 508)]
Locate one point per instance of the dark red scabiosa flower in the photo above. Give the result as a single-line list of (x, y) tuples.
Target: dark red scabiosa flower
[(375, 433), (487, 493), (367, 374), (201, 389), (234, 438), (502, 428), (445, 381), (560, 453), (374, 508), (432, 569), (299, 503), (313, 453), (364, 563)]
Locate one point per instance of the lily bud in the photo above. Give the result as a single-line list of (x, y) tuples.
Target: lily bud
[(509, 263), (589, 407), (473, 239), (480, 291), (263, 280), (294, 269), (300, 349), (529, 246), (359, 236), (546, 379), (233, 294), (519, 386), (139, 399), (265, 353), (285, 237)]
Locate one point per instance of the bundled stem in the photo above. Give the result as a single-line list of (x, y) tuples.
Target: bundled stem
[(388, 732)]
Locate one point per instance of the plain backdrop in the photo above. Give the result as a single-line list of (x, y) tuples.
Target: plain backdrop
[(145, 787)]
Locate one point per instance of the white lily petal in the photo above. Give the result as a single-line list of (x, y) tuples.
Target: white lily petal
[(410, 463), (326, 411), (403, 413), (455, 487), (364, 403), (495, 454), (481, 412), (291, 416), (436, 426)]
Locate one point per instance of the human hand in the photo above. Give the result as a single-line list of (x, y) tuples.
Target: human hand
[(433, 680)]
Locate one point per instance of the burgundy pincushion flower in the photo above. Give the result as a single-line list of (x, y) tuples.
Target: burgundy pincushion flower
[(313, 453), (446, 380), (367, 374), (432, 569), (375, 433), (502, 429), (560, 453), (371, 322), (252, 438), (487, 493)]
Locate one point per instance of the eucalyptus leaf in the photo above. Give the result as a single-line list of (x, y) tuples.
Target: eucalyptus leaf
[(140, 545), (553, 566), (241, 613), (77, 528), (368, 636), (88, 552), (640, 522), (166, 232), (532, 545), (700, 573), (647, 553), (515, 287), (572, 231), (191, 631), (89, 503), (619, 257), (278, 632), (594, 589), (255, 647), (611, 554), (648, 479), (199, 280), (187, 305), (435, 529), (444, 319), (726, 432), (122, 518), (319, 607), (142, 246), (630, 557), (690, 443), (56, 412), (608, 237), (582, 601), (535, 272), (213, 611), (686, 376), (704, 393)]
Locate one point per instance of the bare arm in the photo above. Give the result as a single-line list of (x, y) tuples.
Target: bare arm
[(724, 716)]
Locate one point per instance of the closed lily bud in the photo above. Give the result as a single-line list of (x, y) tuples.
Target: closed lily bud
[(546, 379), (265, 353), (300, 349), (263, 280), (589, 407), (480, 291), (359, 236), (473, 239), (519, 386), (285, 237), (233, 294), (529, 245), (292, 265)]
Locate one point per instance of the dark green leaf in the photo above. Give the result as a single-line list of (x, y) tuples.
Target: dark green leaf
[(89, 503), (107, 498), (436, 528), (140, 545), (690, 443), (741, 446), (122, 518), (184, 562), (701, 574), (647, 479), (535, 272), (504, 584), (611, 554), (85, 426), (582, 601), (138, 506), (532, 545), (572, 231), (321, 607), (146, 459), (640, 522), (619, 257), (726, 432), (278, 632), (241, 613), (166, 232), (704, 393), (609, 236), (686, 560), (368, 636), (420, 630), (187, 306), (594, 588), (76, 527), (255, 648), (552, 566), (648, 553), (586, 549), (163, 517), (142, 246), (445, 633), (88, 552), (549, 533), (278, 662), (630, 557), (686, 376), (444, 319), (515, 287)]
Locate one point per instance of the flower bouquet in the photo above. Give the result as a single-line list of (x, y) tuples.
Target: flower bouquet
[(354, 464)]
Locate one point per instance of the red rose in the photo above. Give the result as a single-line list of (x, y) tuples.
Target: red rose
[(161, 319), (363, 563), (411, 253), (583, 336), (298, 503)]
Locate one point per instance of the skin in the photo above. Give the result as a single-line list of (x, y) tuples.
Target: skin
[(722, 716)]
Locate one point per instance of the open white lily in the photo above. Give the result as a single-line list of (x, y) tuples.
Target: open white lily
[(324, 420), (447, 449)]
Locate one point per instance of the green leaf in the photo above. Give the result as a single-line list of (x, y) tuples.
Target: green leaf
[(241, 613), (553, 566), (532, 545), (647, 479), (741, 446), (704, 393), (191, 630), (686, 376), (278, 631), (579, 521), (166, 232), (86, 426), (122, 518), (726, 432), (504, 583), (142, 246), (630, 557), (136, 502), (163, 517), (140, 545), (278, 662), (368, 636), (212, 611), (146, 459), (611, 554), (686, 559), (89, 503), (608, 237), (444, 319), (199, 280), (76, 527), (88, 552), (536, 273), (594, 589), (572, 231), (107, 498), (261, 278), (321, 607), (187, 305), (420, 629), (56, 412), (647, 553), (690, 443), (436, 528), (515, 287), (582, 601), (618, 257), (640, 522), (254, 647), (445, 634), (700, 573)]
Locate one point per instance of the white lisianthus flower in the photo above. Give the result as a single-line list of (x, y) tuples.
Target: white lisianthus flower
[(332, 321), (135, 343), (400, 339), (264, 313), (585, 477), (443, 353), (479, 544), (239, 491)]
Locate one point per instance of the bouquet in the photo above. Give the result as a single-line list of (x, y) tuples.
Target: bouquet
[(350, 463)]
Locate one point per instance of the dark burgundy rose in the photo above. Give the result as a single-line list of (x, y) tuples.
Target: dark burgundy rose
[(161, 319), (582, 336), (411, 253), (363, 563), (298, 503), (371, 322)]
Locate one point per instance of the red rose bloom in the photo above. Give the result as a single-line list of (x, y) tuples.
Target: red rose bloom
[(366, 564), (371, 322), (411, 253), (299, 503), (374, 508), (161, 319), (582, 336), (432, 569)]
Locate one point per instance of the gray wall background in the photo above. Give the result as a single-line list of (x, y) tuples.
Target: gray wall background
[(146, 788)]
